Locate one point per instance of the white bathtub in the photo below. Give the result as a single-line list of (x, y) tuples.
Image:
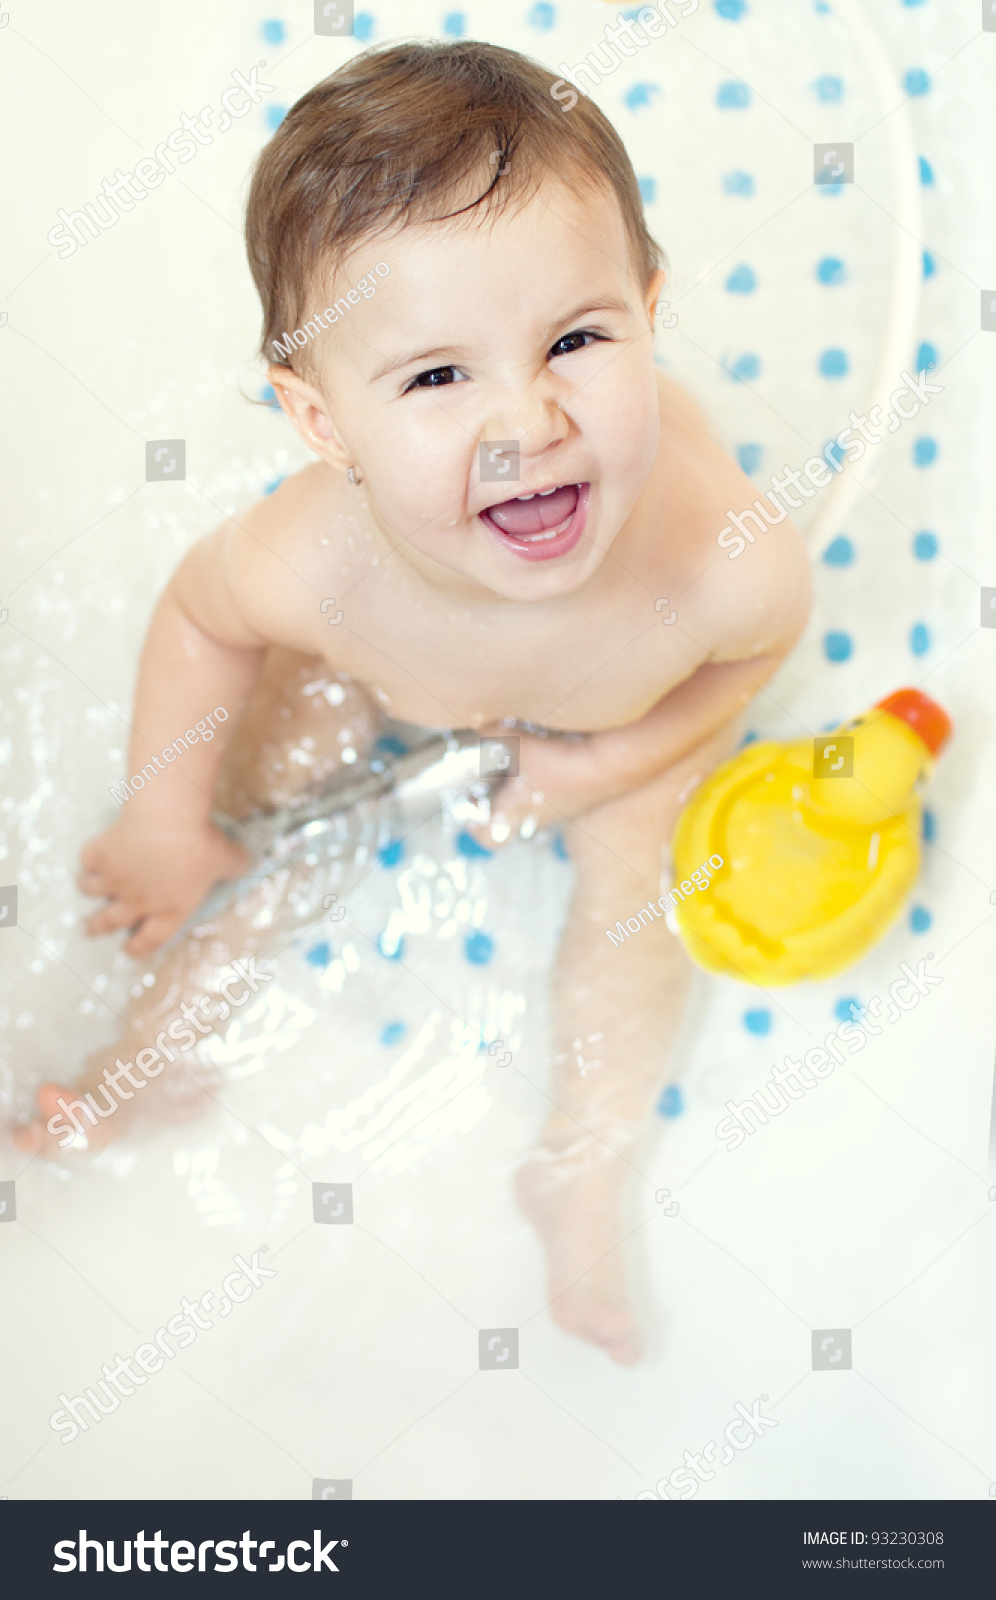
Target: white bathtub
[(868, 1207)]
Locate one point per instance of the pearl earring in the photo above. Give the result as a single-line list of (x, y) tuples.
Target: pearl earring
[(353, 477)]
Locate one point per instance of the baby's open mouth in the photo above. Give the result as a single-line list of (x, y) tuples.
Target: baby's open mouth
[(543, 524)]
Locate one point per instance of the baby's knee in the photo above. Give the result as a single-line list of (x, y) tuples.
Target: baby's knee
[(303, 726)]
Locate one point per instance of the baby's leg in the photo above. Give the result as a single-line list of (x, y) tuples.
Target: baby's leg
[(616, 1009), (298, 725)]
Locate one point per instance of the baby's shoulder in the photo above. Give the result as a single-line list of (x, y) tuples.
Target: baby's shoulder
[(679, 411), (696, 486), (279, 555), (692, 467)]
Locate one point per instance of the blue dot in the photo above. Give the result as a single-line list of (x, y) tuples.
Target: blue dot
[(926, 172), (274, 484), (641, 94), (920, 919), (925, 546), (839, 552), (821, 6), (273, 31), (391, 1032), (542, 16), (924, 451), (648, 190), (742, 280), (319, 955), (745, 368), (758, 1021), (468, 846), (738, 183), (838, 646), (391, 853), (829, 189), (916, 81), (846, 1008), (829, 89), (390, 745), (671, 1102), (732, 10), (919, 638), (479, 947), (831, 270), (363, 27), (912, 2), (750, 737), (454, 24), (275, 116), (926, 357), (559, 848), (832, 453), (732, 96), (390, 952), (929, 264), (928, 826), (750, 457), (269, 396), (834, 363)]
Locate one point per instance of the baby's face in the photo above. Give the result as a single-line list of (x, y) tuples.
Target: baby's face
[(500, 360)]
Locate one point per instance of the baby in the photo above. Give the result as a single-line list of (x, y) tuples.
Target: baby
[(517, 517)]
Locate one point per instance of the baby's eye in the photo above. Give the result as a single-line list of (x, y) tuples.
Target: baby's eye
[(435, 378), (579, 340)]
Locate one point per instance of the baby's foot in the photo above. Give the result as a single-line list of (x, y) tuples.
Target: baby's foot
[(54, 1134), (573, 1205)]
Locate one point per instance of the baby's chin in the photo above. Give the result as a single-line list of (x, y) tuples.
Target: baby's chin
[(532, 582)]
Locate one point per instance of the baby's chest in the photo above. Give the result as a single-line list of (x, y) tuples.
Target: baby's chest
[(582, 674)]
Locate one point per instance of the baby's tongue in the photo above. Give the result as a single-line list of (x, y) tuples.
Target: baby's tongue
[(520, 518)]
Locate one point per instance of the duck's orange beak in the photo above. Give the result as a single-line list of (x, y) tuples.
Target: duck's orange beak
[(929, 721)]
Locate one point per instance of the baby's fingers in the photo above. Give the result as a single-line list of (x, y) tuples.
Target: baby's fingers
[(93, 856), (151, 933), (111, 917), (93, 882)]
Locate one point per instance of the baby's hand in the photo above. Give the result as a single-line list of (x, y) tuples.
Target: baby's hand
[(548, 789), (153, 878)]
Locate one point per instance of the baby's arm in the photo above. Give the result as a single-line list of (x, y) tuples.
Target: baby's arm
[(616, 760), (157, 861), (560, 780)]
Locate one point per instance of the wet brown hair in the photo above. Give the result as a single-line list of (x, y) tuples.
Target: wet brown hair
[(405, 133)]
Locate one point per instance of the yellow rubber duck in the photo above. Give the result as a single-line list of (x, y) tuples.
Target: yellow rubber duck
[(819, 840)]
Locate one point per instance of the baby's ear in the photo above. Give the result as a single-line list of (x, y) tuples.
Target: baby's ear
[(655, 289), (306, 407)]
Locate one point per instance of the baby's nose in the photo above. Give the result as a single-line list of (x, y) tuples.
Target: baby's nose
[(531, 420)]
